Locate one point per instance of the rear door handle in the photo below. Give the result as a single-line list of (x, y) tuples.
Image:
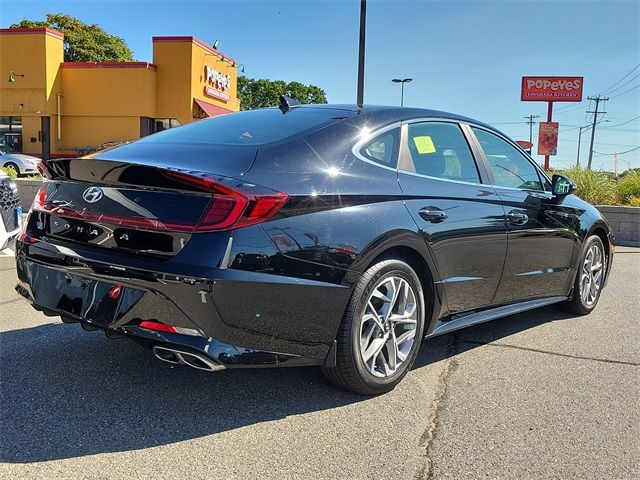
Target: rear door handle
[(517, 217), (432, 214)]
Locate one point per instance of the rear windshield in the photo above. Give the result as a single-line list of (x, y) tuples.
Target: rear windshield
[(251, 127)]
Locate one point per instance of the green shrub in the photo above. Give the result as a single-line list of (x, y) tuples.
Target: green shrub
[(12, 173), (634, 201), (629, 187), (596, 188)]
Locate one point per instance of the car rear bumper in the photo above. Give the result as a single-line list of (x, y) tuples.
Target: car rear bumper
[(243, 319)]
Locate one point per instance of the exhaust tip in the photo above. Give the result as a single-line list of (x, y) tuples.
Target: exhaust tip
[(191, 359), (166, 355)]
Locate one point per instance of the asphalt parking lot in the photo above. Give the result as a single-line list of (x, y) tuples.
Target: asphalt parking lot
[(537, 395)]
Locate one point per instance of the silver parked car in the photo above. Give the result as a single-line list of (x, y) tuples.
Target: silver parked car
[(18, 162)]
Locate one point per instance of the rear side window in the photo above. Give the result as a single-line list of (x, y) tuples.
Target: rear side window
[(251, 127), (510, 168), (440, 150), (383, 149)]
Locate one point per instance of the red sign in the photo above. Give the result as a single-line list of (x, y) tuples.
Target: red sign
[(524, 144), (551, 89), (548, 138)]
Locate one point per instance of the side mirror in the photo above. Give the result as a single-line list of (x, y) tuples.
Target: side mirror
[(561, 185)]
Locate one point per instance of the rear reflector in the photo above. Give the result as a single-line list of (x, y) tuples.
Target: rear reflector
[(161, 327)]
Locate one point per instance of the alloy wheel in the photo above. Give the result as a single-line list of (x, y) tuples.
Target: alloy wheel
[(388, 326), (591, 275)]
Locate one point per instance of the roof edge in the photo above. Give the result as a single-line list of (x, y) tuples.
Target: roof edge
[(31, 31), (196, 41), (146, 65)]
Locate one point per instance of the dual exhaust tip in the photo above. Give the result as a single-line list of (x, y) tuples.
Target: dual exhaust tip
[(192, 359)]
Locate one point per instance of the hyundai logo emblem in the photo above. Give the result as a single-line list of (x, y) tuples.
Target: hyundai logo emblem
[(92, 194)]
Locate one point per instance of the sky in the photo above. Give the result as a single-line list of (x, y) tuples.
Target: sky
[(465, 57)]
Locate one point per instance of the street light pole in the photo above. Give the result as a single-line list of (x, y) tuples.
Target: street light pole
[(401, 82), (361, 46)]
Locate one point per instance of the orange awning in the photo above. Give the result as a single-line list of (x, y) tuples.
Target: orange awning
[(209, 109)]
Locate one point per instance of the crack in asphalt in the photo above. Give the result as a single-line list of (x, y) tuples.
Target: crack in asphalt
[(13, 300), (426, 439), (547, 352)]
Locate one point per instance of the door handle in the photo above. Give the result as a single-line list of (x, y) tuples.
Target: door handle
[(432, 214), (517, 217)]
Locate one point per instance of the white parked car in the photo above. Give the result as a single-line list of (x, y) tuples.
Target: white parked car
[(18, 162), (10, 210)]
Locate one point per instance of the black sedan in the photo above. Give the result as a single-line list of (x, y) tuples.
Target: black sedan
[(327, 235)]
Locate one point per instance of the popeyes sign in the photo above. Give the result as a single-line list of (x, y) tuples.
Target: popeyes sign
[(216, 83), (551, 89)]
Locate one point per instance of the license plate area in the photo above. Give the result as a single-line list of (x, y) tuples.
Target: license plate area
[(81, 297)]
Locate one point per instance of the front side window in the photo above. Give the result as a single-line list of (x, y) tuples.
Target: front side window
[(440, 150), (383, 148), (510, 168)]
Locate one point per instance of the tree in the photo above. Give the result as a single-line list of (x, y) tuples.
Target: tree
[(258, 93), (82, 42)]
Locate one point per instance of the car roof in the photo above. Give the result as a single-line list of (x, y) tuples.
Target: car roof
[(385, 114)]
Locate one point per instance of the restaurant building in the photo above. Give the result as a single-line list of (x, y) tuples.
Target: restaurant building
[(52, 108)]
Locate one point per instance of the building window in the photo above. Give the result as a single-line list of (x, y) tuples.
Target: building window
[(11, 134)]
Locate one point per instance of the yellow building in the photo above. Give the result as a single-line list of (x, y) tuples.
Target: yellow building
[(52, 108)]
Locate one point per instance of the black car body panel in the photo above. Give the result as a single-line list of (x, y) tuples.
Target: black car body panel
[(273, 292)]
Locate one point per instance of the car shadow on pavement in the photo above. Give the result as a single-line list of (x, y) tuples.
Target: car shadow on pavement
[(67, 393), (484, 333)]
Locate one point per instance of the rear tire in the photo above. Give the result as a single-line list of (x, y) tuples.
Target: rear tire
[(589, 280), (381, 331)]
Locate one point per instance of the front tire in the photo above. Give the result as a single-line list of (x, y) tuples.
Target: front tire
[(381, 331), (12, 166), (589, 278)]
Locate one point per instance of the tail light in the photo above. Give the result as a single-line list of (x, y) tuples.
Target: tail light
[(229, 207), (162, 327), (42, 167)]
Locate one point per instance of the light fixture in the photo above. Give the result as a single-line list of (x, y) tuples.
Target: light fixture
[(240, 66), (12, 76), (215, 44), (402, 82)]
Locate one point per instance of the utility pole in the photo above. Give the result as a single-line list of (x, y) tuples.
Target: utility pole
[(531, 122), (586, 127), (597, 99)]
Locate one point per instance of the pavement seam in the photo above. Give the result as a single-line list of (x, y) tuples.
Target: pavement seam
[(547, 352), (426, 439)]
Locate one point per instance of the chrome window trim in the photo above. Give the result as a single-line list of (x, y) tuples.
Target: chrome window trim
[(359, 145), (520, 150), (440, 120)]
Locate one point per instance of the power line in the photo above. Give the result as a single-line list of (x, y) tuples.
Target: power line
[(622, 85), (607, 90), (623, 123), (626, 91), (619, 153)]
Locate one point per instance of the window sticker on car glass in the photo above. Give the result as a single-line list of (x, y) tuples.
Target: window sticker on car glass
[(424, 144)]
